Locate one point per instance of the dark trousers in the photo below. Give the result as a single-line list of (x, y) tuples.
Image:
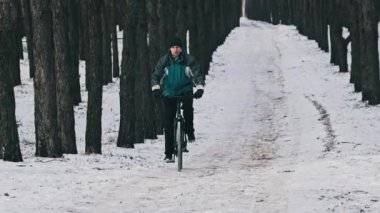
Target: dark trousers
[(170, 107)]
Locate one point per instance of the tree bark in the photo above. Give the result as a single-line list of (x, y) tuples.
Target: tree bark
[(94, 74), (166, 24), (216, 25), (19, 31), (149, 130), (285, 12), (369, 52), (139, 72), (15, 40), (107, 58), (324, 44), (83, 32), (9, 139), (47, 140), (275, 12), (182, 24), (355, 52), (29, 36), (115, 46), (208, 7), (74, 20), (126, 137), (154, 55), (194, 29), (63, 68), (335, 33), (202, 40)]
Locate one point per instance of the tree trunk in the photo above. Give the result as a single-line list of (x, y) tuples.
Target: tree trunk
[(216, 25), (149, 131), (94, 74), (74, 50), (285, 12), (115, 48), (18, 53), (83, 32), (9, 139), (202, 42), (324, 44), (355, 52), (107, 58), (154, 55), (126, 137), (166, 24), (194, 29), (266, 15), (299, 16), (182, 24), (208, 7), (222, 24), (335, 33), (153, 44), (47, 140), (63, 68), (275, 12), (369, 51), (29, 36), (340, 52), (139, 72), (15, 40), (163, 11)]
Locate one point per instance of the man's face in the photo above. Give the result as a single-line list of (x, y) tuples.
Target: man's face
[(175, 51)]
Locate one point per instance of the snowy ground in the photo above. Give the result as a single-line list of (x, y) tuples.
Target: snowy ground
[(278, 130)]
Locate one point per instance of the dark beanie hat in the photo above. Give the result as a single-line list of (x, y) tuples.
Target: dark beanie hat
[(175, 41)]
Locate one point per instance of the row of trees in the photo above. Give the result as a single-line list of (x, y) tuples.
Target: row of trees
[(313, 18), (61, 32)]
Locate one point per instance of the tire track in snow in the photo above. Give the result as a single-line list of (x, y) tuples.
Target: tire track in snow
[(329, 140)]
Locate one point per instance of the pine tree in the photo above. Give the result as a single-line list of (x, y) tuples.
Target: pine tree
[(63, 68), (94, 74), (9, 139), (47, 140), (74, 20), (126, 137), (149, 130), (369, 51), (29, 35)]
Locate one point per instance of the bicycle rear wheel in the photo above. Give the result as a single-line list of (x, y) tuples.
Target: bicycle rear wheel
[(179, 140)]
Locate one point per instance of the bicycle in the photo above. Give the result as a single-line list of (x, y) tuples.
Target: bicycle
[(180, 140)]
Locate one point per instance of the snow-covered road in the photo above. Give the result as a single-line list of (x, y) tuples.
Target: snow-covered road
[(278, 130)]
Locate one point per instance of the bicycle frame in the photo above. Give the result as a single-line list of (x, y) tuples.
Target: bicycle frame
[(179, 133)]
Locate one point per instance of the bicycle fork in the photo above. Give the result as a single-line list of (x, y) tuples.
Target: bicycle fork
[(179, 135)]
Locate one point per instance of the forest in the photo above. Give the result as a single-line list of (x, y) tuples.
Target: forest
[(325, 21), (59, 33), (289, 120)]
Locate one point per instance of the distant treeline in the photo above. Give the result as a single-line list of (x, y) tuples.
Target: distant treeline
[(318, 18)]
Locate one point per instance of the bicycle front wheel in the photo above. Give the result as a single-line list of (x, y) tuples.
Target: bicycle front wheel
[(179, 139)]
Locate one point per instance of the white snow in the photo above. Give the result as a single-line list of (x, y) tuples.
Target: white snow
[(279, 129)]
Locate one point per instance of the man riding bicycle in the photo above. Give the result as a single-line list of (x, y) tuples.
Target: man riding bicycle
[(175, 74)]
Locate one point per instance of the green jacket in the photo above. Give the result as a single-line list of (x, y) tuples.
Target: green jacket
[(178, 76)]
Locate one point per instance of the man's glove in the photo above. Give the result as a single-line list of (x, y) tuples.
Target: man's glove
[(157, 93), (198, 93)]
